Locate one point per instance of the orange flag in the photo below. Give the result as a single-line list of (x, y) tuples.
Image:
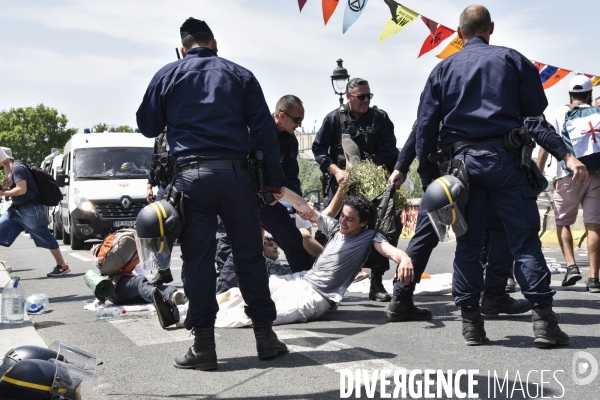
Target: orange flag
[(328, 9), (556, 77), (539, 65), (454, 46)]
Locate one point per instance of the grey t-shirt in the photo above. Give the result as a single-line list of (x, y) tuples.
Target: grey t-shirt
[(340, 260)]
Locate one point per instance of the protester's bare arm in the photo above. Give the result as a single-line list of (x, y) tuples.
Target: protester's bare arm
[(335, 205), (580, 172), (405, 271), (19, 190), (297, 202), (8, 173), (541, 159)]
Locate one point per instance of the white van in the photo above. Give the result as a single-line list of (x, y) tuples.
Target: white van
[(105, 175), (50, 165)]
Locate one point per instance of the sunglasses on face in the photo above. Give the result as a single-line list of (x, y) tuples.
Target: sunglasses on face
[(295, 119), (362, 97)]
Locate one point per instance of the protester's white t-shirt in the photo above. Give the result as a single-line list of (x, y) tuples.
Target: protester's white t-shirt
[(557, 119), (3, 156)]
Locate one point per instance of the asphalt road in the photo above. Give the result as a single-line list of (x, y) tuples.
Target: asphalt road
[(137, 354)]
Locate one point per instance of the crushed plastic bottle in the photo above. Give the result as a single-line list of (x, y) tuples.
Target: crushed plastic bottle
[(13, 302), (106, 312), (37, 304)]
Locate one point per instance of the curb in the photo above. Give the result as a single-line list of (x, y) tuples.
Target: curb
[(15, 335)]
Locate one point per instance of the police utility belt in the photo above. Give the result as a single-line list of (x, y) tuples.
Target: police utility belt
[(210, 165)]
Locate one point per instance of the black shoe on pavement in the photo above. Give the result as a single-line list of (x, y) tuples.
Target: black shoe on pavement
[(377, 292), (503, 304), (202, 355), (472, 328), (267, 343), (166, 310), (162, 276), (545, 328), (572, 276), (593, 285), (399, 311), (59, 271), (511, 285)]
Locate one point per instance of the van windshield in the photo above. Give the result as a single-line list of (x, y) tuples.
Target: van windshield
[(112, 163)]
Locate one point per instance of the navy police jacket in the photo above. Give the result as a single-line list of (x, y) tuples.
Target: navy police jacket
[(211, 107), (480, 92), (288, 148)]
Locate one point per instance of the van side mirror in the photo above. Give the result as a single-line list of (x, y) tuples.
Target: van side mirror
[(62, 179)]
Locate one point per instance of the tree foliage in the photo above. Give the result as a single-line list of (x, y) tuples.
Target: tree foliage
[(32, 132), (309, 175), (103, 127), (124, 128), (412, 172)]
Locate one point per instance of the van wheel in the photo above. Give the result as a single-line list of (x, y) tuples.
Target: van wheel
[(58, 234), (76, 243), (66, 237)]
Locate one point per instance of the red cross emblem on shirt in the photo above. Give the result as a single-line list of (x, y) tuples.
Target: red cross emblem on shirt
[(592, 132)]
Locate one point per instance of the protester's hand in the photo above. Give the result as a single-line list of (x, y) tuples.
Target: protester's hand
[(306, 215), (7, 182), (277, 193), (580, 172), (405, 272), (397, 177), (149, 195), (340, 175)]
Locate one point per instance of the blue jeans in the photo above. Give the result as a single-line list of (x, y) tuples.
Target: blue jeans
[(31, 217)]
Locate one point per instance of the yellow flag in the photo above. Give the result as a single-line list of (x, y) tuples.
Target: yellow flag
[(404, 17), (455, 45), (596, 81)]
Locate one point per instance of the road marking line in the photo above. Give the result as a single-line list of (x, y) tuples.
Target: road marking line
[(146, 330), (81, 257)]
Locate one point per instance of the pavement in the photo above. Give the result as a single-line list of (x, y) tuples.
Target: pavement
[(138, 354)]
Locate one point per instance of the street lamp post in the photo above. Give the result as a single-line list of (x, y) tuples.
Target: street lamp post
[(339, 79)]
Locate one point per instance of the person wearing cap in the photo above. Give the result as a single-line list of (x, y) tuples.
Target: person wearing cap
[(481, 94), (27, 213), (569, 195), (373, 132), (8, 172), (211, 108), (597, 102)]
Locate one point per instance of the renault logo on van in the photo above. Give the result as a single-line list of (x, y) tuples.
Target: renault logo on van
[(126, 202)]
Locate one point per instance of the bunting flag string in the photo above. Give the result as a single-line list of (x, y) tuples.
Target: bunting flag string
[(354, 9), (402, 16)]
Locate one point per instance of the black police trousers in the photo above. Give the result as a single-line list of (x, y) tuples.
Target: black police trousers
[(229, 194)]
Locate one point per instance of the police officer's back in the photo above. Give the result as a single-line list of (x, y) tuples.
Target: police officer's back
[(210, 106)]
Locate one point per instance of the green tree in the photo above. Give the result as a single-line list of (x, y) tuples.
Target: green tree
[(309, 175), (124, 128), (101, 127), (412, 172), (32, 132)]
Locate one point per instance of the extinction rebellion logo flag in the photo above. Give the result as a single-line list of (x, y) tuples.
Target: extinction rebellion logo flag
[(353, 10)]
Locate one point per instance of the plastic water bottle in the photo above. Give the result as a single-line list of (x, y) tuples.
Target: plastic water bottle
[(37, 304), (108, 312), (13, 302)]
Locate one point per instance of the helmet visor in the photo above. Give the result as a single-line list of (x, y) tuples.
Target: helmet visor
[(73, 383), (446, 217), (74, 356), (154, 253)]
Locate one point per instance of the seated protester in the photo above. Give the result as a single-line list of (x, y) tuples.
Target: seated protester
[(27, 212), (307, 295), (271, 253)]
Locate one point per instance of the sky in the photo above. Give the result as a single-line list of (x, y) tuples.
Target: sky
[(92, 60)]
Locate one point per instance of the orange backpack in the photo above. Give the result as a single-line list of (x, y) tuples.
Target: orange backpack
[(117, 254)]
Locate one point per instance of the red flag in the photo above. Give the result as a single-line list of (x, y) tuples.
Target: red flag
[(328, 9), (301, 4), (432, 25), (434, 39), (555, 78), (539, 65)]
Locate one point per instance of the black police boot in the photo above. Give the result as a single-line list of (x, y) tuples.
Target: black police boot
[(166, 310), (377, 292), (162, 276), (202, 354), (267, 344), (545, 327), (472, 326), (503, 304), (403, 309), (572, 276), (511, 285)]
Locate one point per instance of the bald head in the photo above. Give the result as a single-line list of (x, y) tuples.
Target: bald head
[(475, 20)]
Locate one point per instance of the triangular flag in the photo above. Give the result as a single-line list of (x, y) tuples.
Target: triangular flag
[(539, 65), (301, 4), (328, 9), (596, 81), (454, 46), (591, 76), (353, 10), (404, 17), (432, 25), (432, 41), (551, 81), (547, 72)]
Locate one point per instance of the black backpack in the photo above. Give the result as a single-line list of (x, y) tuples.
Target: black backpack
[(49, 192)]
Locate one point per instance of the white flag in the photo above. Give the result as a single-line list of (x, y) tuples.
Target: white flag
[(353, 10)]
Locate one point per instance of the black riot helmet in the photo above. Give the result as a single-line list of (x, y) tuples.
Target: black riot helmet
[(445, 201), (17, 354), (28, 380), (157, 227)]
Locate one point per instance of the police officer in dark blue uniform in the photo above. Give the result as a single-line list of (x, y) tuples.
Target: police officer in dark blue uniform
[(373, 132), (211, 107), (480, 94)]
